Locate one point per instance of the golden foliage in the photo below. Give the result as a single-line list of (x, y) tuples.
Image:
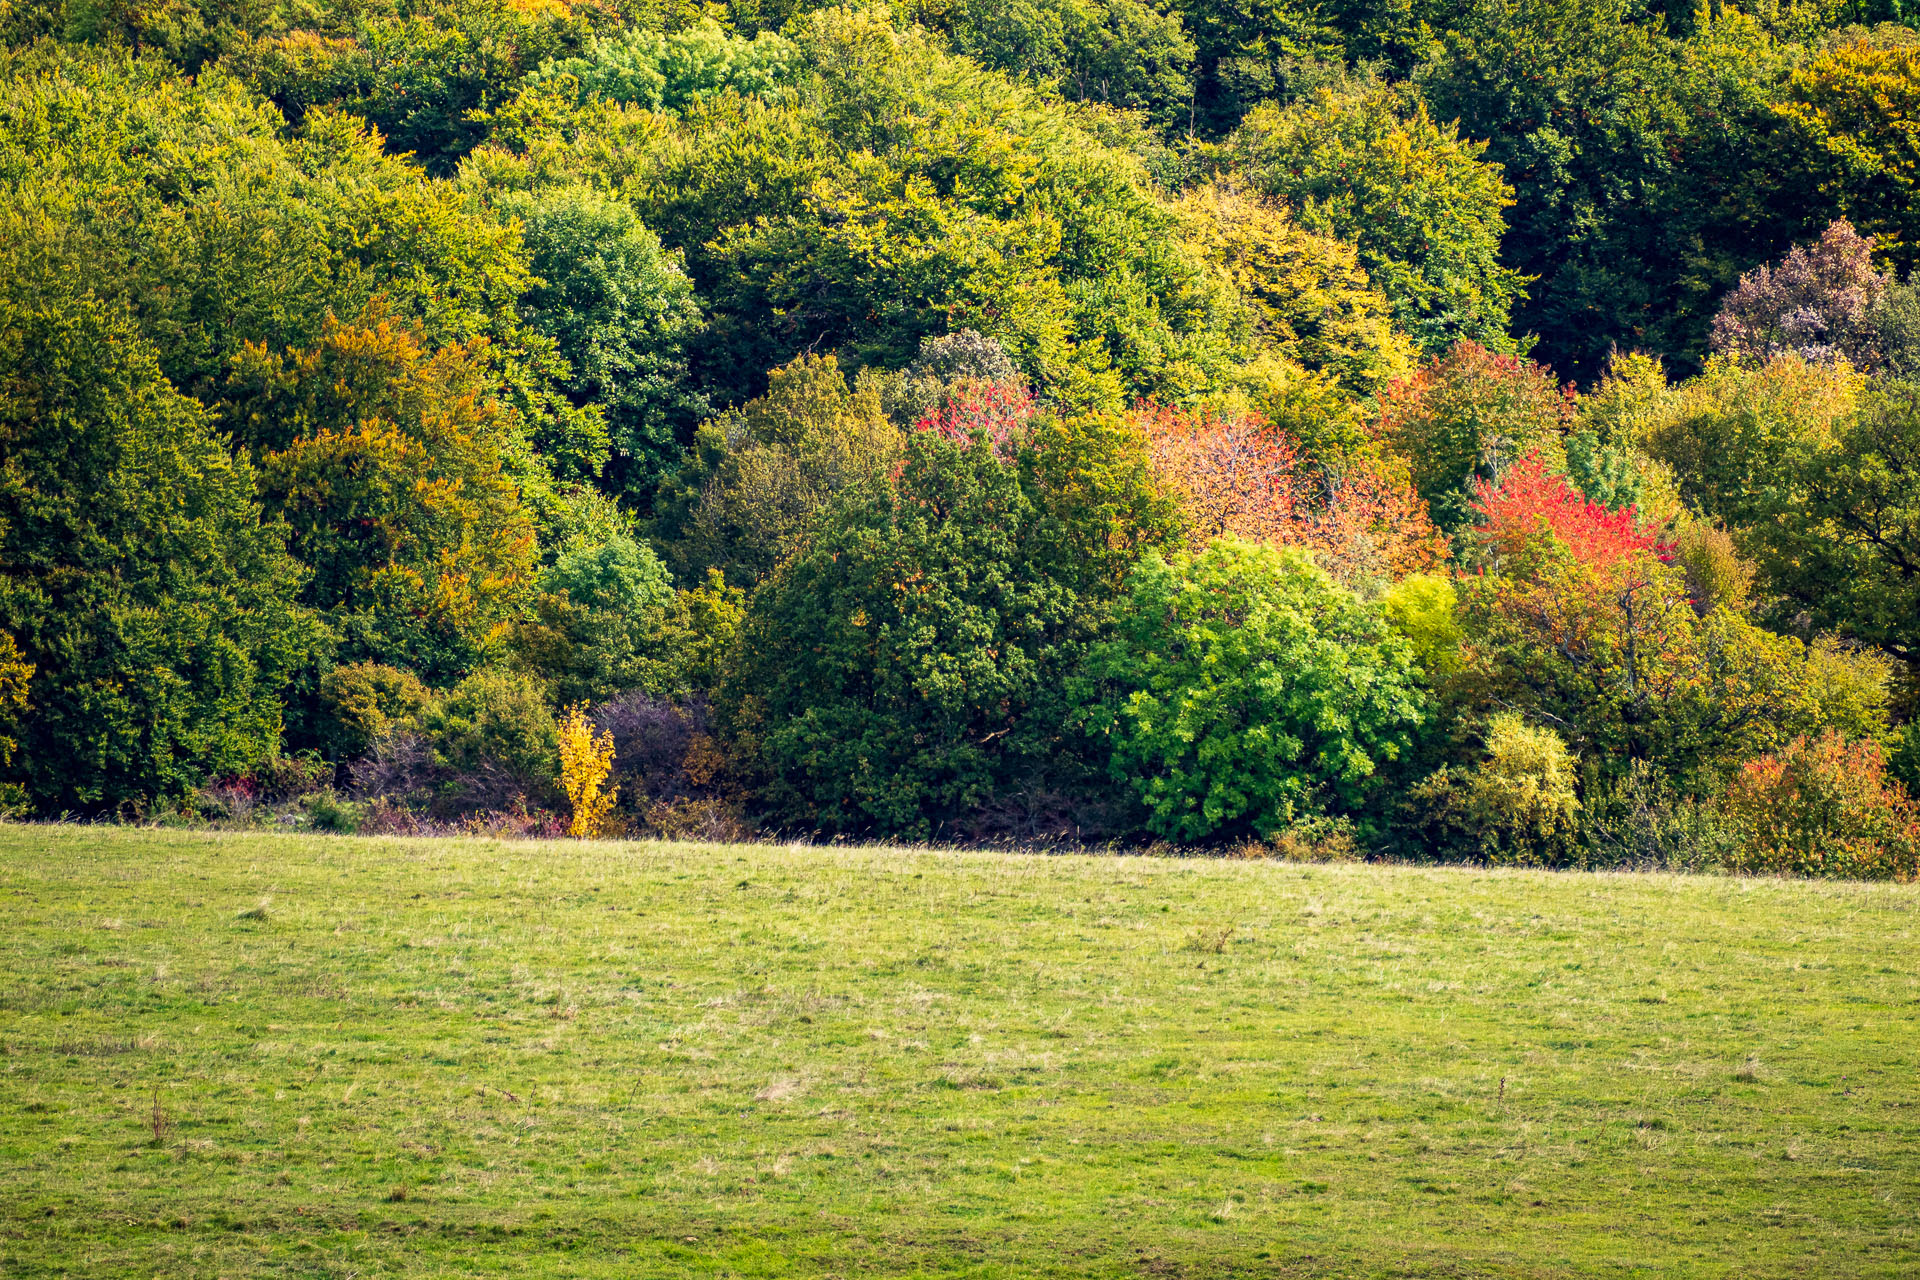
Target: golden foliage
[(586, 760)]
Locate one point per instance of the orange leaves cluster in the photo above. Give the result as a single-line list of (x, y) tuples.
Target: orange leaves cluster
[(1237, 474)]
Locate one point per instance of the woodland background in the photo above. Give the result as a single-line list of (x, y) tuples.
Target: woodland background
[(1478, 432)]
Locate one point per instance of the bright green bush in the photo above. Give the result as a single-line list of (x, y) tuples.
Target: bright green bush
[(1243, 688), (669, 70)]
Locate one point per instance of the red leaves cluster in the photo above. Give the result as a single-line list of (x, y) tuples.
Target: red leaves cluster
[(1531, 501), (1004, 410), (1238, 474)]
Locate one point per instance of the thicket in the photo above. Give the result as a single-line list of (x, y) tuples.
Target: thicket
[(1486, 434)]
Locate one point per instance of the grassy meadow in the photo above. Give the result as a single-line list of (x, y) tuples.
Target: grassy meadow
[(226, 1055)]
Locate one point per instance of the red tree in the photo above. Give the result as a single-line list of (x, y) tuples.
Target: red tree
[(1531, 501)]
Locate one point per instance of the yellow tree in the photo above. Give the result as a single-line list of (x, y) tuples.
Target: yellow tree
[(586, 760)]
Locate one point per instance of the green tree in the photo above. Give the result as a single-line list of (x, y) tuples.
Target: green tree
[(1844, 543), (621, 311), (153, 602), (1366, 164), (1122, 53), (1244, 689), (599, 623), (767, 471), (904, 670), (1635, 157)]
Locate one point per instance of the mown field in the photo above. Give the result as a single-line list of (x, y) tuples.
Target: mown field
[(328, 1057)]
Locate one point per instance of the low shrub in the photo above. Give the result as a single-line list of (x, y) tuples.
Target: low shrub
[(1516, 807), (1640, 821), (1823, 807)]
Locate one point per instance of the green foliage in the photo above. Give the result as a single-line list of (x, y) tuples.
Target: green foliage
[(1842, 541), (1366, 163), (621, 312), (905, 668), (418, 73), (153, 602), (897, 192), (764, 474), (494, 719), (1244, 688), (1516, 806), (1120, 53), (598, 623), (1637, 158), (670, 70), (362, 703)]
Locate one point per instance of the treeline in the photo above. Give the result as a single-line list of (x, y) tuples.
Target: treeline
[(1479, 435)]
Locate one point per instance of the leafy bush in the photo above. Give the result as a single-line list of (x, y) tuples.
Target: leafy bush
[(488, 744), (363, 702), (1641, 821), (1516, 806), (1824, 807), (1244, 689)]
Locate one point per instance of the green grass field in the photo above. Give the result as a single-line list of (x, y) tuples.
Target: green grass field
[(312, 1056)]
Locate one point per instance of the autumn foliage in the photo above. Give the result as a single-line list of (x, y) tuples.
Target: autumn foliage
[(1003, 410), (1531, 501), (1237, 474), (1825, 806)]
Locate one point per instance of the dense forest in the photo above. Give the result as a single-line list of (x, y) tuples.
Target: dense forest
[(1379, 428)]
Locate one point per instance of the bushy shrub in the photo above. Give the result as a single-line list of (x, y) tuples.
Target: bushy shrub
[(1517, 805), (488, 744), (362, 702), (1824, 807), (1641, 821), (671, 70), (1244, 688)]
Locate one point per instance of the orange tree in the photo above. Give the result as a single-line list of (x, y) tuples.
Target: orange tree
[(1236, 474)]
